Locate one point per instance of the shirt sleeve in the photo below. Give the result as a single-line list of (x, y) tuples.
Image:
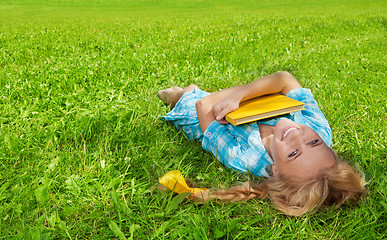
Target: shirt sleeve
[(237, 147), (312, 116)]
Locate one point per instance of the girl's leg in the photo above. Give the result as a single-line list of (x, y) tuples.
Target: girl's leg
[(172, 95)]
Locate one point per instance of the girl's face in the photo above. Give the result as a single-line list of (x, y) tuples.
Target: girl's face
[(299, 151)]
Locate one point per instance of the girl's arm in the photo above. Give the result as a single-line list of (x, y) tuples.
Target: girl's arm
[(216, 105)]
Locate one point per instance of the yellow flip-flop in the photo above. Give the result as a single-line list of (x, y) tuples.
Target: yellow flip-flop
[(174, 181)]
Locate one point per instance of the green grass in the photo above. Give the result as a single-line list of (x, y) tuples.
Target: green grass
[(81, 145)]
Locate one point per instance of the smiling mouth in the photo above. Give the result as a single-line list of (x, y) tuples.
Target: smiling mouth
[(287, 130)]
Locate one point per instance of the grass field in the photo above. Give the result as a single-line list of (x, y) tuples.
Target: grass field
[(81, 144)]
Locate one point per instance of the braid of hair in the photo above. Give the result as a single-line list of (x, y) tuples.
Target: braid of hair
[(243, 192), (332, 187)]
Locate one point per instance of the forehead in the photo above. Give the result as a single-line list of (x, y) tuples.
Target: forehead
[(312, 161)]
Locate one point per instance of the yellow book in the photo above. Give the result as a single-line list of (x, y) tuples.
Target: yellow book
[(263, 107)]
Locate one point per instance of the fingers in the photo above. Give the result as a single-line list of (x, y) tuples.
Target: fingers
[(223, 121), (218, 111), (222, 108), (221, 111), (219, 116)]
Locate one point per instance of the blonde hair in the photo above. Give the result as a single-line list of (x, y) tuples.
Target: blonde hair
[(332, 187)]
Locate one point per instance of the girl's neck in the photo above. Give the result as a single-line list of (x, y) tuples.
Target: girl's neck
[(267, 133)]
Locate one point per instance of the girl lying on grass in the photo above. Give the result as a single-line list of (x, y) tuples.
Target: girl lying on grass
[(305, 173)]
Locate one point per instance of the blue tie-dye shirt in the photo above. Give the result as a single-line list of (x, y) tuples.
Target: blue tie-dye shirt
[(240, 147)]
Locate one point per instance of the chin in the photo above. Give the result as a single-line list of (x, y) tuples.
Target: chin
[(283, 123)]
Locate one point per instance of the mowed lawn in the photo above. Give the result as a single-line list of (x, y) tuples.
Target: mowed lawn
[(81, 142)]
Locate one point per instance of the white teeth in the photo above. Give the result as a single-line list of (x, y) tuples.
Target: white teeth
[(288, 131)]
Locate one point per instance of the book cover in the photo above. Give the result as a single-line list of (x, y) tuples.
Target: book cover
[(263, 107)]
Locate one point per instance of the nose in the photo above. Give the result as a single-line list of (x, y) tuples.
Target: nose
[(297, 136)]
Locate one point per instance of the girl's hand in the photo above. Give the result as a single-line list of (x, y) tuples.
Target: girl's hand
[(222, 108), (216, 105)]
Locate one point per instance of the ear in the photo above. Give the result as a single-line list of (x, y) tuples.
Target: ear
[(275, 170)]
